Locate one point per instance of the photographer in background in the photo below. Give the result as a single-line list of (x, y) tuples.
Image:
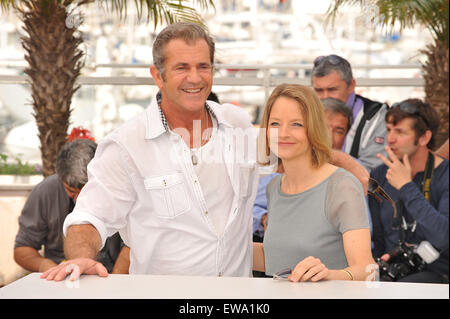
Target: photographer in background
[(417, 181), (42, 218)]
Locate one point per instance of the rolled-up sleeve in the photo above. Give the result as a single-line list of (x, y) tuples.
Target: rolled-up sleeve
[(32, 226), (109, 195)]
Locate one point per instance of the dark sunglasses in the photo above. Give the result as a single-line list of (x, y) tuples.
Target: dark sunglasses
[(411, 109), (332, 59), (375, 188)]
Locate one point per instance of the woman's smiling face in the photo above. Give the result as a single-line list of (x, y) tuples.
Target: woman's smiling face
[(287, 133)]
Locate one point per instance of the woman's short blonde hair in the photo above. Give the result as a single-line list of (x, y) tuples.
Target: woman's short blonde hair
[(313, 115)]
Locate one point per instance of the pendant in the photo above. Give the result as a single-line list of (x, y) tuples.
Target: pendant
[(194, 159)]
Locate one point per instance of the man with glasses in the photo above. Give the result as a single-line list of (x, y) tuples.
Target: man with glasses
[(417, 181), (332, 77)]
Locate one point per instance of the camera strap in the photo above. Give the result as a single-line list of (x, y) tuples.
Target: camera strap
[(425, 188), (427, 176)]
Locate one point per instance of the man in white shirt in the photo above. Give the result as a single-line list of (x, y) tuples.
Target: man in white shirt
[(173, 181)]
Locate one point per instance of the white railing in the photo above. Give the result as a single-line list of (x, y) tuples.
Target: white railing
[(268, 82), (266, 79), (259, 75), (248, 84)]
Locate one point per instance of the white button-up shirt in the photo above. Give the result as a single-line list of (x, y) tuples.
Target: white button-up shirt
[(142, 183)]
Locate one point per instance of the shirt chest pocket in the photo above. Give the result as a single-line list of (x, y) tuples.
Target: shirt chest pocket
[(168, 194)]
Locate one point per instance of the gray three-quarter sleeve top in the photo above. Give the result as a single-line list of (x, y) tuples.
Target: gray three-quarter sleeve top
[(311, 223)]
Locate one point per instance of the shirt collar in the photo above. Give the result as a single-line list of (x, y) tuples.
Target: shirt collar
[(351, 100), (157, 123)]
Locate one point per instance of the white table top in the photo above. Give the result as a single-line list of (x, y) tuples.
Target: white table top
[(189, 287)]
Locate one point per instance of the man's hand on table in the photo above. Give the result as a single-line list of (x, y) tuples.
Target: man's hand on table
[(75, 268)]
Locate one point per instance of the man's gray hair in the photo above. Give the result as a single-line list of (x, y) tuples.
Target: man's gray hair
[(324, 67), (337, 106), (187, 31), (72, 161)]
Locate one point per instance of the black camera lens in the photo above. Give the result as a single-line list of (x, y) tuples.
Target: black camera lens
[(403, 262)]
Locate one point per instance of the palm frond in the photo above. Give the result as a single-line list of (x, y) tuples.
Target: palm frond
[(5, 5), (433, 14), (172, 12), (335, 6), (160, 11)]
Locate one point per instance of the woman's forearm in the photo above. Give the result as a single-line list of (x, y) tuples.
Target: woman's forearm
[(358, 273)]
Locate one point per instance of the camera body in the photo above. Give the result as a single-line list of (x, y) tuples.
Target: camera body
[(404, 261)]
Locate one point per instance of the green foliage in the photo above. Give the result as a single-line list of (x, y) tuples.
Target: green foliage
[(158, 11), (168, 11), (432, 14), (17, 167)]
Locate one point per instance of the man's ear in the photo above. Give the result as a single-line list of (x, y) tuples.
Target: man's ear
[(352, 86), (157, 76), (425, 138)]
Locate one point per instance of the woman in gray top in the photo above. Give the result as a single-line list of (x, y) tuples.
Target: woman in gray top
[(317, 222)]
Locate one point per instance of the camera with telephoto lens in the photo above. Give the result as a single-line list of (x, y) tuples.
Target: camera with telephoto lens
[(405, 260)]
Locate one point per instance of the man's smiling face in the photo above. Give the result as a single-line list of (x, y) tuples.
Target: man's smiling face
[(187, 80)]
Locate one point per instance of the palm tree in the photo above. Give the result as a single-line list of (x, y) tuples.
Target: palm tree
[(432, 14), (52, 50)]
